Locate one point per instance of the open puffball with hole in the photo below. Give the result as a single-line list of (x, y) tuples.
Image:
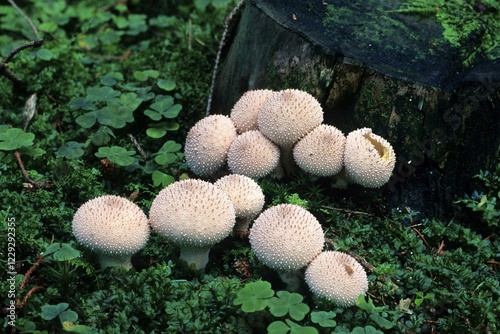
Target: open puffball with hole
[(195, 215), (207, 144), (368, 158), (112, 226), (247, 198), (336, 276), (286, 237), (246, 110), (321, 151)]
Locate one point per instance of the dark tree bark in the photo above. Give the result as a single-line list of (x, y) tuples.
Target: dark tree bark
[(440, 111)]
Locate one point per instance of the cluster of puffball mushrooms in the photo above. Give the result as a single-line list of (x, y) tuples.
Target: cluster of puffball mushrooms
[(272, 132), (195, 215), (267, 133)]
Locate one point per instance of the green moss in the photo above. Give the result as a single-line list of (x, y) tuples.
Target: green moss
[(469, 25)]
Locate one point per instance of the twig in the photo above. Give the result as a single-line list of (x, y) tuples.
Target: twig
[(347, 210), (35, 265), (421, 236), (38, 184), (219, 51), (138, 146), (4, 66), (21, 304), (368, 266), (25, 17)]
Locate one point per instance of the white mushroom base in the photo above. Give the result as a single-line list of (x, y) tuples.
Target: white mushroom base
[(197, 256), (115, 261)]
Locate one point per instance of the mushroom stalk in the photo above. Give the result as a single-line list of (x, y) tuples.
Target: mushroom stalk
[(106, 260), (292, 279), (197, 256)]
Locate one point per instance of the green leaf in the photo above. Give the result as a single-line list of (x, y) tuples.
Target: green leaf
[(278, 327), (170, 146), (165, 158), (50, 312), (61, 252), (32, 151), (162, 179), (173, 111), (81, 103), (288, 303), (366, 330), (68, 315), (166, 84), (323, 318), (70, 150), (163, 105), (115, 116), (381, 321), (44, 54), (144, 75), (154, 115), (111, 78), (69, 326), (254, 296), (102, 136), (15, 138), (87, 120), (156, 133), (116, 154), (102, 93)]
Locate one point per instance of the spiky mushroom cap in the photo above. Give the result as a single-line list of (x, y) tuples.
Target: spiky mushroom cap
[(245, 111), (368, 158), (287, 115), (336, 276), (247, 198), (113, 227), (193, 214), (321, 151), (286, 237), (207, 144), (253, 155)]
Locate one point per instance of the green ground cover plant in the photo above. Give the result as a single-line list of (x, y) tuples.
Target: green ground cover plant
[(103, 105)]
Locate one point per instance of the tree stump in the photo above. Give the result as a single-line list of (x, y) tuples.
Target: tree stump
[(379, 65)]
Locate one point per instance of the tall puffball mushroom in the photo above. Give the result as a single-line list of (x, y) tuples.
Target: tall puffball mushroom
[(253, 155), (321, 151), (285, 117), (286, 237), (194, 215), (336, 276), (245, 111), (247, 198), (368, 158), (207, 144), (112, 226)]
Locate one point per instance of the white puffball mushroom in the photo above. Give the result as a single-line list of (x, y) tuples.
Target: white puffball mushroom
[(321, 151), (337, 276), (195, 215), (368, 158), (285, 117), (286, 237), (207, 144), (245, 111), (247, 198), (253, 155), (112, 226)]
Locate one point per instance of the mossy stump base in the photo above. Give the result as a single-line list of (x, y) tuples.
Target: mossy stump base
[(411, 86)]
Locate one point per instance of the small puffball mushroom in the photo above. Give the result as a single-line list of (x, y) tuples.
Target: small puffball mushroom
[(195, 215), (112, 226), (321, 151), (247, 198), (336, 276), (207, 144), (285, 117), (286, 237), (368, 158), (245, 111), (253, 155)]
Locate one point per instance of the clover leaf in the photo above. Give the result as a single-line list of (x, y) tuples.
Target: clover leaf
[(116, 154), (323, 318), (287, 302), (160, 178), (280, 327), (70, 150), (49, 312), (166, 154), (102, 93), (15, 138), (254, 296)]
